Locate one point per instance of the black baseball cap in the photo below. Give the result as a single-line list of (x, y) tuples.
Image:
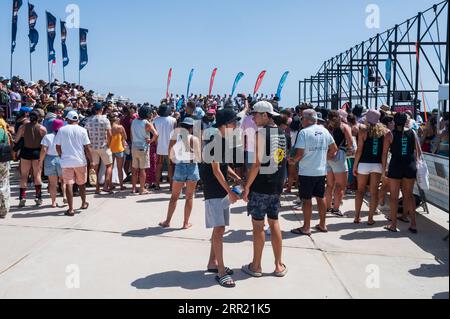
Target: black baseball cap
[(225, 117)]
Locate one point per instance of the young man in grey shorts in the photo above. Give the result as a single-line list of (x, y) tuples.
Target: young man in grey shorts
[(218, 194)]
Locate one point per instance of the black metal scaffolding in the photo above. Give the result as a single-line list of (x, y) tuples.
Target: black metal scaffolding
[(390, 68)]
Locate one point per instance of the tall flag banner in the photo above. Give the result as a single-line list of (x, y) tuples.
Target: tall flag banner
[(17, 4), (281, 85), (65, 54), (169, 79), (83, 48), (33, 35), (211, 83), (191, 75), (259, 82), (366, 73), (51, 35), (388, 69), (236, 82)]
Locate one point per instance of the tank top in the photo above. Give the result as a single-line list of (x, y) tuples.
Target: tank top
[(140, 135), (339, 138), (372, 150), (183, 150), (32, 136), (403, 147), (117, 143), (270, 180)]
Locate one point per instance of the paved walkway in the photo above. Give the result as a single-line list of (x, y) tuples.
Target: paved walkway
[(116, 250)]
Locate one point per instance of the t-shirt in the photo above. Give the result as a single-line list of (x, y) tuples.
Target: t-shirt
[(14, 106), (97, 127), (165, 127), (211, 186), (72, 139), (198, 114), (250, 129), (48, 141), (315, 140), (126, 123)]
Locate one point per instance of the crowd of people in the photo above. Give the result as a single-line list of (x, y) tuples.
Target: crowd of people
[(233, 148)]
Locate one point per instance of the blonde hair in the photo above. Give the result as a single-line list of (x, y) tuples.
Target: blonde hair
[(375, 131)]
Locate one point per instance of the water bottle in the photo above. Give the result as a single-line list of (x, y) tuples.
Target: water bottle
[(238, 190)]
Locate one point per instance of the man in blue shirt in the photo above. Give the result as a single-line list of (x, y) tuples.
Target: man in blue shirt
[(314, 147)]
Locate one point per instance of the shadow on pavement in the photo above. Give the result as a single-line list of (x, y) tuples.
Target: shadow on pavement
[(149, 232), (429, 239), (441, 296), (192, 280), (187, 280), (431, 271)]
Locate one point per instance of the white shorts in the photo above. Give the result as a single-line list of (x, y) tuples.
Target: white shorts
[(367, 169)]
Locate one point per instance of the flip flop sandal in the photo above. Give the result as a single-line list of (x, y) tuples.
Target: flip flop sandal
[(216, 271), (281, 274), (396, 230), (412, 230), (68, 213), (86, 207), (225, 281), (319, 229), (371, 224), (246, 269), (300, 232)]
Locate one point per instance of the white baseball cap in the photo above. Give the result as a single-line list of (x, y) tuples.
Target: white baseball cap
[(73, 116), (264, 107)]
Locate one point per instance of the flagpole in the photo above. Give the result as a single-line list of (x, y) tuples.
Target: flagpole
[(31, 62), (48, 51), (31, 65), (11, 69), (64, 73), (11, 65)]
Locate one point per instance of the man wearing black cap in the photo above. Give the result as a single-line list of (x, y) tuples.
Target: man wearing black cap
[(218, 195), (99, 130)]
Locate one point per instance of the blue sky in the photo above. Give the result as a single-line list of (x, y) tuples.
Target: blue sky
[(132, 44)]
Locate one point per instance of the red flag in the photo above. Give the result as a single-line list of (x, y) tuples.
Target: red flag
[(211, 83), (168, 83), (259, 82)]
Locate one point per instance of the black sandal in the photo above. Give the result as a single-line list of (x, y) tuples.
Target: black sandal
[(228, 271), (68, 213), (226, 281)]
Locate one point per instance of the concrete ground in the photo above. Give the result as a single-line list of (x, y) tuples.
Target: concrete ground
[(116, 250)]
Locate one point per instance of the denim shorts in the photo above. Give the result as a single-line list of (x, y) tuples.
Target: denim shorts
[(260, 205), (52, 166), (119, 155), (339, 164), (186, 173)]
